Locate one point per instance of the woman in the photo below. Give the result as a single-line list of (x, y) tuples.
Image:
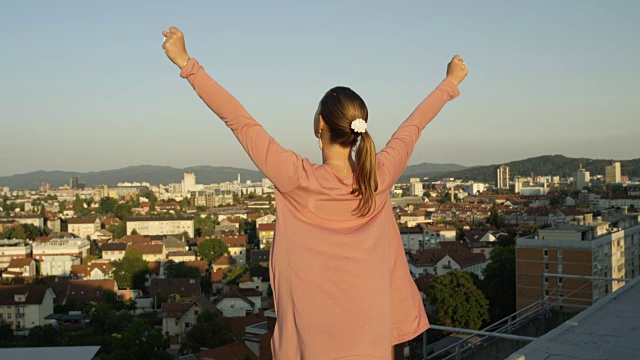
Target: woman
[(341, 283)]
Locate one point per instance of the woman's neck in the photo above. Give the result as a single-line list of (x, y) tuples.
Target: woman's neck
[(338, 158)]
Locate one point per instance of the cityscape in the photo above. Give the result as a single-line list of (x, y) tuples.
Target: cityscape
[(187, 264), (147, 214)]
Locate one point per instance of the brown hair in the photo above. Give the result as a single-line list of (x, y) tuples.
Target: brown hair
[(338, 108)]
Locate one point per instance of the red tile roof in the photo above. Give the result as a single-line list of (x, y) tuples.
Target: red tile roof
[(234, 240), (84, 220), (219, 275), (224, 259), (147, 249), (34, 294), (234, 351), (182, 287), (266, 227), (18, 263)]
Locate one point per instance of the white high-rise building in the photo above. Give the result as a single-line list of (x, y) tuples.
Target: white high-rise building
[(502, 177), (581, 178), (188, 182)]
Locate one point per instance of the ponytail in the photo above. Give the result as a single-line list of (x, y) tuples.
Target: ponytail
[(365, 182)]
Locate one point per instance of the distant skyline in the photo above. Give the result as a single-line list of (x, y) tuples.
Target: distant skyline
[(87, 87)]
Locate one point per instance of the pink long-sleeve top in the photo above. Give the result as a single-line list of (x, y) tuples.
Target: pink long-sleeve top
[(341, 283)]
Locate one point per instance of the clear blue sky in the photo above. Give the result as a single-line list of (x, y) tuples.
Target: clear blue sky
[(86, 85)]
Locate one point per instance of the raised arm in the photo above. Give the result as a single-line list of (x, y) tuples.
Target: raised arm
[(394, 157), (281, 166)]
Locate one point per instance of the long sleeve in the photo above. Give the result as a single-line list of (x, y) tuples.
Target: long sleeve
[(395, 156), (281, 166)]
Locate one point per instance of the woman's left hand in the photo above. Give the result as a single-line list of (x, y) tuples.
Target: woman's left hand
[(173, 45)]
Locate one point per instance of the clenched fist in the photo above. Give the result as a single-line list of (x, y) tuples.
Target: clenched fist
[(173, 45), (457, 70)]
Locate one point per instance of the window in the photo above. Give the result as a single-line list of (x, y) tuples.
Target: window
[(546, 252), (560, 281), (546, 279), (9, 316), (546, 266)]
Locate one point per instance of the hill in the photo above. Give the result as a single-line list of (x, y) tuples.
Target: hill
[(428, 170), (544, 165), (153, 174)]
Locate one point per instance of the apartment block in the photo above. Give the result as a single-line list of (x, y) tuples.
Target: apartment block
[(161, 225), (76, 247), (607, 246)]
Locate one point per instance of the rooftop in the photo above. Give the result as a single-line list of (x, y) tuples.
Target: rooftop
[(607, 330)]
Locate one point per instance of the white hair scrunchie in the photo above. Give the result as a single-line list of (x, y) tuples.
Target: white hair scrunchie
[(359, 125)]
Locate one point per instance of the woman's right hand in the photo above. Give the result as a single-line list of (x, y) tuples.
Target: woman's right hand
[(457, 70), (173, 45)]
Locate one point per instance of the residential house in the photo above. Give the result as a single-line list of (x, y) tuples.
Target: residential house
[(267, 219), (237, 245), (101, 236), (150, 252), (20, 268), (266, 233), (82, 227), (173, 244), (96, 270), (25, 306), (175, 290), (434, 234), (256, 278), (106, 222), (232, 221), (89, 290), (222, 262), (440, 261), (239, 302), (179, 318), (113, 251), (181, 256), (218, 278), (13, 249)]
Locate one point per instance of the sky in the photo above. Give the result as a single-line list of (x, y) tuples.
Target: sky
[(86, 86)]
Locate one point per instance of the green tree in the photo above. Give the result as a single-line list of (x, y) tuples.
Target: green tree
[(130, 271), (78, 204), (203, 226), (107, 205), (153, 199), (211, 249), (118, 230), (41, 336), (134, 232), (234, 273), (180, 270), (208, 332), (495, 218), (15, 232), (458, 302), (122, 211), (62, 206), (140, 341), (499, 282)]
